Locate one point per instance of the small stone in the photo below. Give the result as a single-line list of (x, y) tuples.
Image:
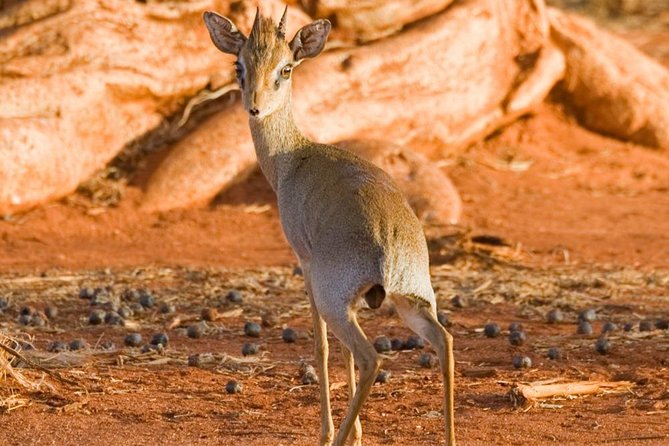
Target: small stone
[(4, 304), (86, 293), (382, 344), (38, 320), (414, 342), (396, 344), (77, 344), (195, 331), (125, 312), (602, 346), (554, 316), (233, 387), (50, 311), (554, 353), (427, 360), (443, 319), (383, 377), (167, 308), (25, 319), (269, 320), (517, 338), (662, 324), (146, 299), (646, 325), (289, 335), (252, 329), (588, 315), (249, 349), (459, 301), (209, 314), (234, 296), (584, 328), (609, 327), (628, 326), (194, 360), (97, 317), (491, 330), (57, 347), (515, 326), (297, 271), (521, 362), (160, 339), (133, 340)]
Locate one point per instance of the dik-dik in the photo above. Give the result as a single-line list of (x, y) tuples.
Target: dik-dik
[(354, 233)]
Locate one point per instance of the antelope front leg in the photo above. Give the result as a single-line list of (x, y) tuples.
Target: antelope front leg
[(356, 435), (321, 354)]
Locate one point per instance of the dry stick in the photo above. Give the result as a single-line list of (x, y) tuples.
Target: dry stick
[(522, 394), (51, 373)]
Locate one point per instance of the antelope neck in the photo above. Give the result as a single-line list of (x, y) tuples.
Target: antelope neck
[(276, 138)]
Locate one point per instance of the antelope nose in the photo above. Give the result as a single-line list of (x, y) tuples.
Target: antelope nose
[(254, 112)]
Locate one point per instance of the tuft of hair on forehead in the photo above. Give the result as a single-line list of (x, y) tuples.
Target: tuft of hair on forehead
[(264, 35)]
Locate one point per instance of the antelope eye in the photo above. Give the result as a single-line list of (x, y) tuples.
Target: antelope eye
[(238, 70), (285, 71)]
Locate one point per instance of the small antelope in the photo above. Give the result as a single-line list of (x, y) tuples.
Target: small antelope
[(354, 233)]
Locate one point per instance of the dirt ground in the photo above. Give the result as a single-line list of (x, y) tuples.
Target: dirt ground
[(584, 221)]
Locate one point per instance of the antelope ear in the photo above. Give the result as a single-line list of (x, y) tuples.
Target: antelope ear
[(224, 33), (310, 39)]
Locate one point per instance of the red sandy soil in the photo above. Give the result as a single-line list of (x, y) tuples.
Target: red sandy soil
[(574, 197)]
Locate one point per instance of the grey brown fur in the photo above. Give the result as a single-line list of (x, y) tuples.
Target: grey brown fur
[(354, 233)]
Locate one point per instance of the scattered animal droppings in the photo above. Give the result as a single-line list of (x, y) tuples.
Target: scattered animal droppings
[(233, 387), (602, 346), (160, 339), (554, 316), (588, 315), (250, 349), (50, 311), (521, 362), (308, 374), (289, 335), (609, 327), (554, 353), (517, 338), (491, 330), (646, 325), (57, 347), (427, 360), (252, 329), (234, 296), (414, 342), (77, 344), (459, 301), (96, 317), (167, 308), (382, 344), (383, 377), (133, 340), (443, 319), (584, 328), (146, 299), (396, 344)]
